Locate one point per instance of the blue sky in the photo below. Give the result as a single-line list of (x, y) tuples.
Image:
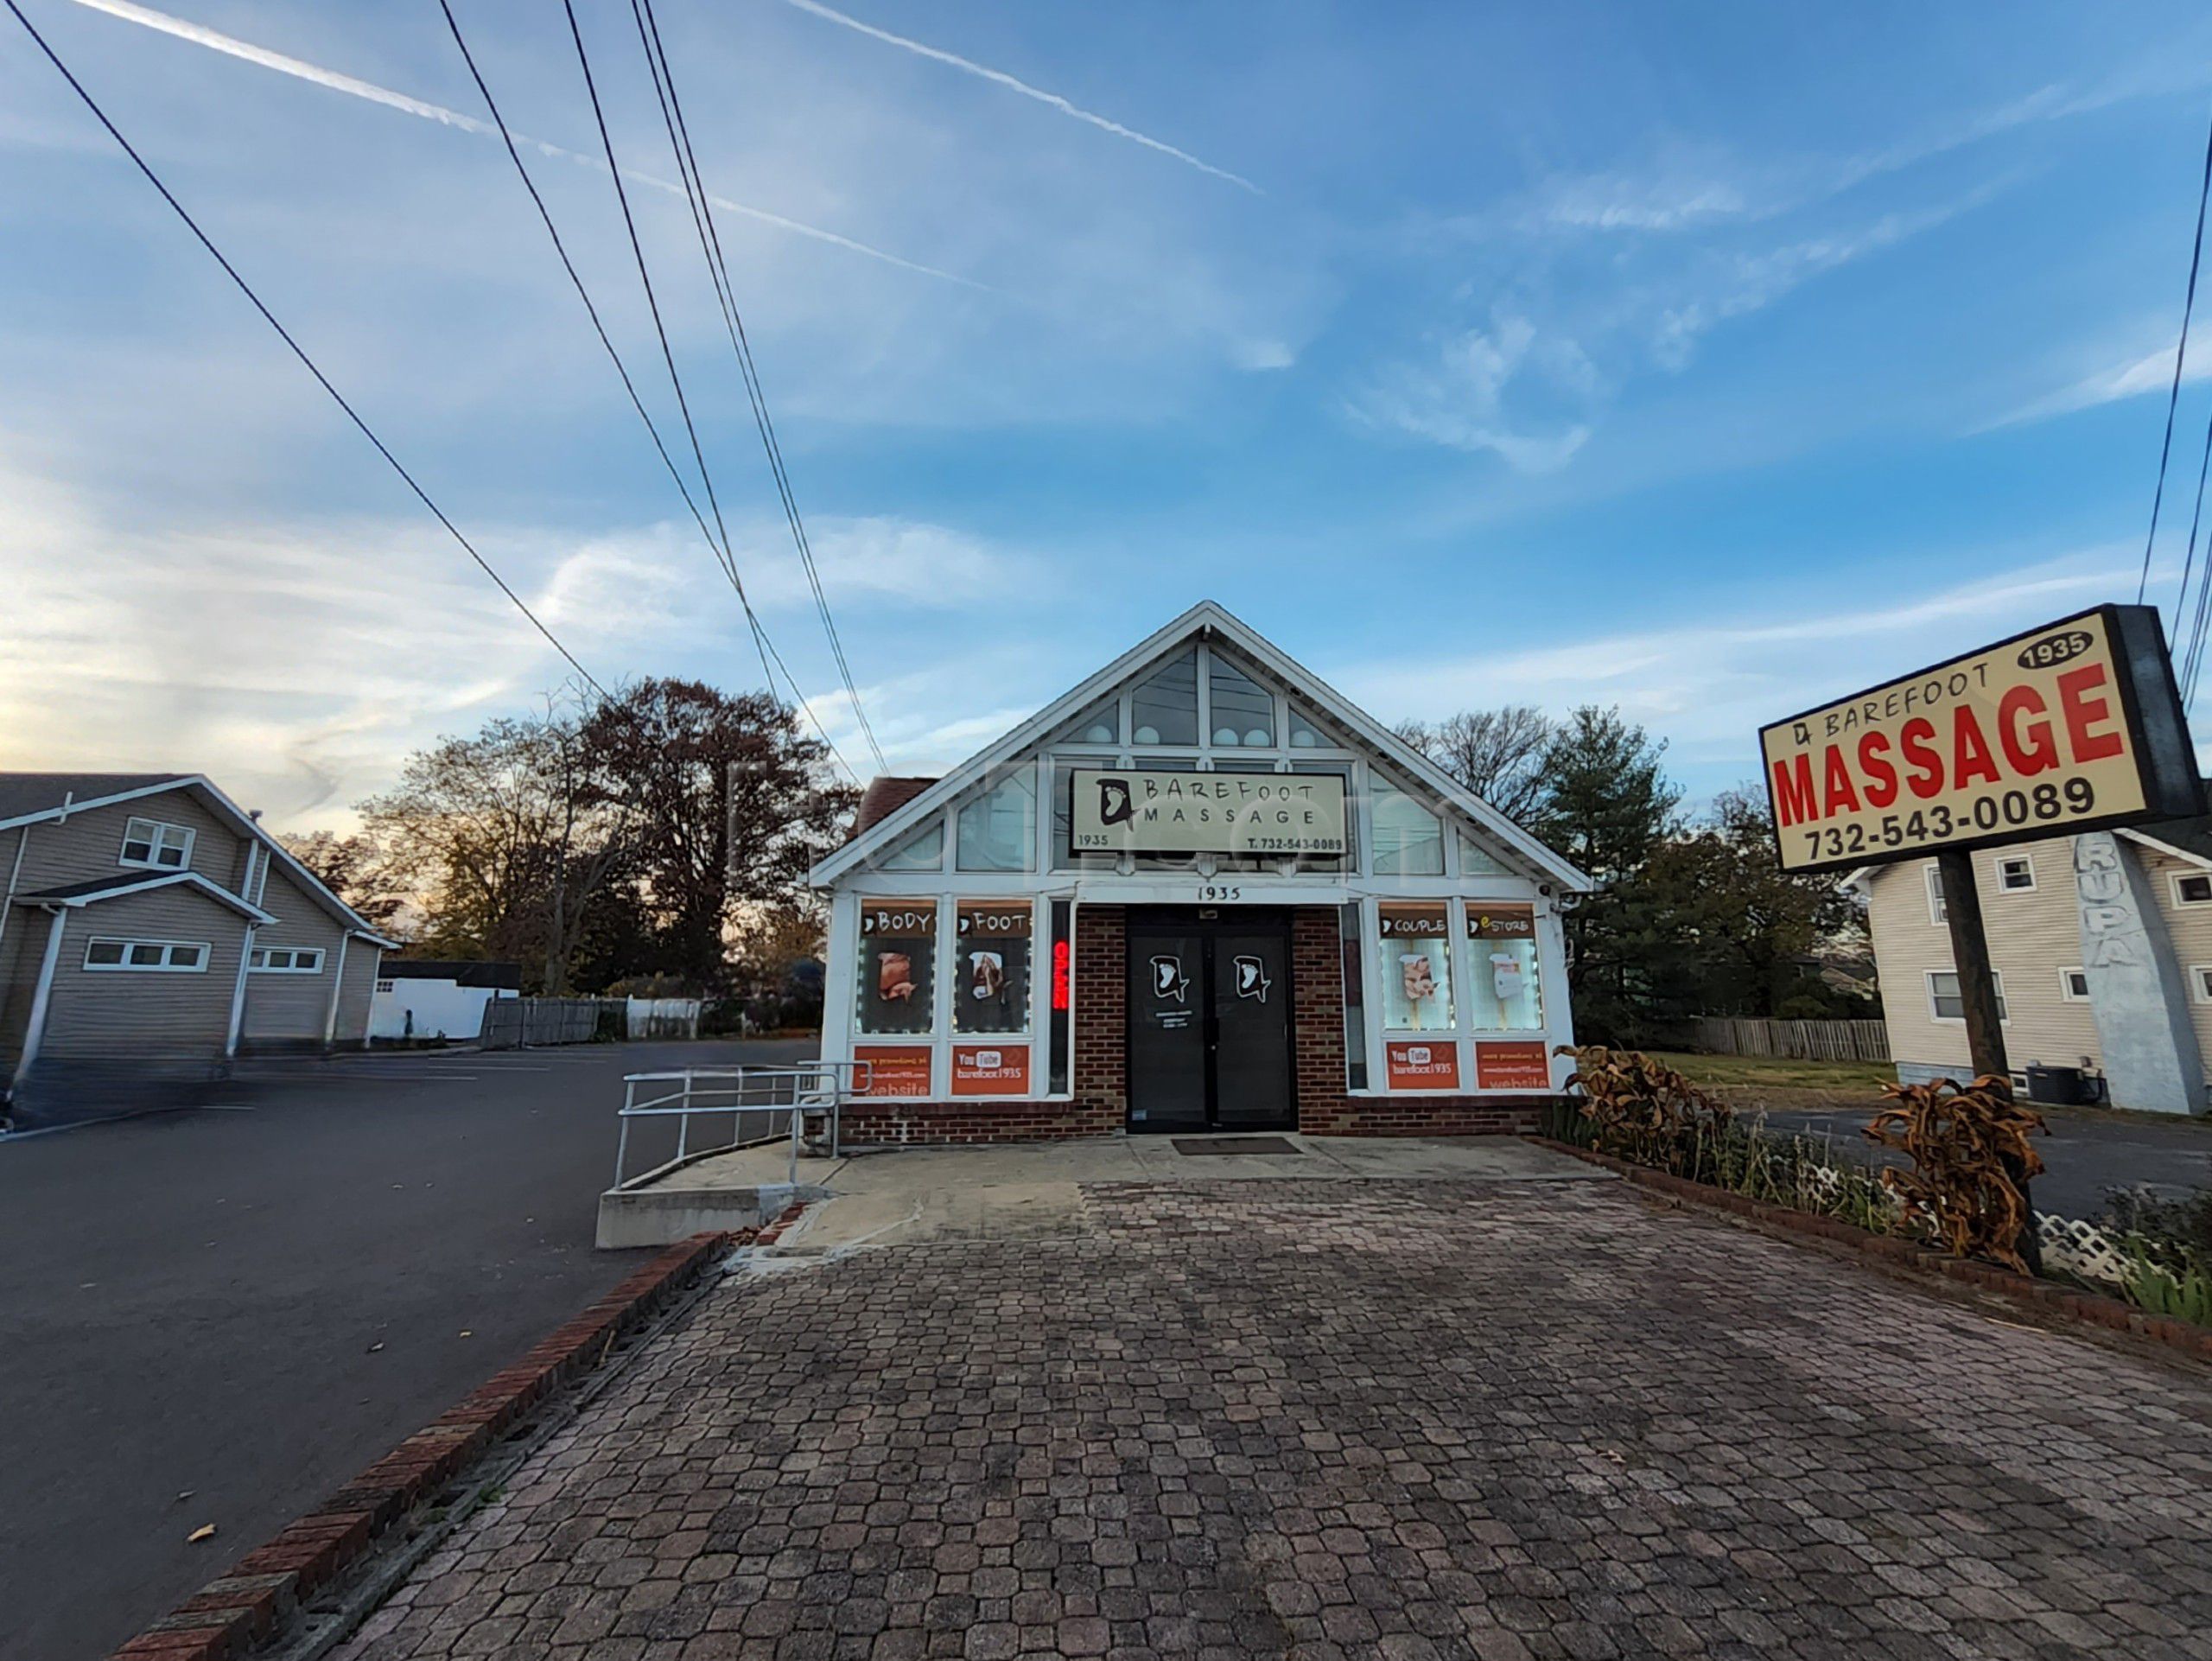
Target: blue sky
[(1708, 361)]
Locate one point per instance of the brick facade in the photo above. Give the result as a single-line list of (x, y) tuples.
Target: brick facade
[(1101, 1067)]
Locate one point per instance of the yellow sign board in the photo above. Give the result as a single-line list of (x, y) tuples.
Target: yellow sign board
[(2066, 727)]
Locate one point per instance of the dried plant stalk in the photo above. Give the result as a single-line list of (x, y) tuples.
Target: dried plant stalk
[(1643, 1110), (1970, 1152)]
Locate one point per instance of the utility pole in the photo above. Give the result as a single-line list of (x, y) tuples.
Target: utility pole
[(1978, 1001)]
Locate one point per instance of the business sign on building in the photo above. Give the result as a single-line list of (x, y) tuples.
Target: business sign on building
[(1262, 815), (2065, 727)]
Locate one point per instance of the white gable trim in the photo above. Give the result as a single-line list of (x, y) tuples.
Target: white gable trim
[(2150, 841), (1203, 618), (214, 891)]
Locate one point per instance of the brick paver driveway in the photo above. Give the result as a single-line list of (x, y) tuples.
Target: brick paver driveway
[(1399, 1420)]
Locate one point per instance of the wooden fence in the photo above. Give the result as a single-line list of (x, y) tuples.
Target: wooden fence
[(512, 1023), (1796, 1040)]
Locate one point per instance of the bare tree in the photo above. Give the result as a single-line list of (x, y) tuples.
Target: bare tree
[(1497, 753), (508, 838)]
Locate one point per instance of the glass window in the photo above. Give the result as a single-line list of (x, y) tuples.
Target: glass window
[(1502, 943), (2193, 889), (2015, 873), (1474, 860), (1355, 999), (990, 993), (176, 955), (1937, 912), (2074, 985), (1305, 735), (1949, 1004), (1102, 726), (1165, 710), (1243, 710), (1408, 838), (151, 843), (924, 851), (897, 963), (1416, 967), (998, 829)]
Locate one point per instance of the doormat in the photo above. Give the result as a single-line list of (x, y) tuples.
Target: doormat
[(1235, 1145)]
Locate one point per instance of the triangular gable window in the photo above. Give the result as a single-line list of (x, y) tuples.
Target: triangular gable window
[(1243, 710), (1164, 708), (924, 851)]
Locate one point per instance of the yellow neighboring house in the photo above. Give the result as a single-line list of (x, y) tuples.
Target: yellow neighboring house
[(2102, 946)]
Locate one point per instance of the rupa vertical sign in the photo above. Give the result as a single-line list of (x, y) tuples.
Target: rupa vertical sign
[(2070, 726)]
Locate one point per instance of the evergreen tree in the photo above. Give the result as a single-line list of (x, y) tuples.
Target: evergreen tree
[(1608, 805)]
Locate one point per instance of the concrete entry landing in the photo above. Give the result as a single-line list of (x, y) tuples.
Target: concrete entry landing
[(1019, 1190)]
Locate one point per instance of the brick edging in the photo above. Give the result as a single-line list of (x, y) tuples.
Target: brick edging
[(229, 1615), (1896, 1252)]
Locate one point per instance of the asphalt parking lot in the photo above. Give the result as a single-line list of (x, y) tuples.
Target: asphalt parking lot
[(1507, 1420), (243, 1306), (2085, 1154)]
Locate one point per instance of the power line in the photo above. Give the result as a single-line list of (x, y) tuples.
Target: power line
[(765, 647), (629, 385), (2196, 655), (2181, 349), (679, 135), (300, 352)]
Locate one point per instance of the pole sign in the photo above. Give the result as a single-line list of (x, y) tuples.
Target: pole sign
[(2074, 726)]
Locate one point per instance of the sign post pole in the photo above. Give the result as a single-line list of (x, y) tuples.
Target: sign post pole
[(1978, 1001)]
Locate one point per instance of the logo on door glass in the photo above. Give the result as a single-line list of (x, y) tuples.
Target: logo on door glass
[(1252, 980), (1167, 979)]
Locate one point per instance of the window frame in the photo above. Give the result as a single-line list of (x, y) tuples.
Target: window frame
[(1939, 914), (2177, 878), (130, 945), (2026, 862), (2004, 1009), (2200, 982), (292, 953), (158, 839), (2066, 992)]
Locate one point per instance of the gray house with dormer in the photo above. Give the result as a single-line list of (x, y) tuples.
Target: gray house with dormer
[(150, 931)]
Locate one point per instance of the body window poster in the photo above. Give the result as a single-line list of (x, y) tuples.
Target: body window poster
[(898, 962), (1416, 971), (990, 990), (1502, 960)]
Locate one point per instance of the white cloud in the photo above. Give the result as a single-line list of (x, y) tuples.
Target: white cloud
[(2133, 375), (1460, 396), (298, 662), (352, 86), (1708, 689), (999, 78)]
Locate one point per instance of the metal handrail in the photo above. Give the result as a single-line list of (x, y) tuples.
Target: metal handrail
[(796, 1091)]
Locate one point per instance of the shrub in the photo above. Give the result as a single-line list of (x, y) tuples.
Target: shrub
[(1970, 1152), (1643, 1111)]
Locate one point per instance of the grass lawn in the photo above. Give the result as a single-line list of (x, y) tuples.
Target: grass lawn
[(1842, 1078)]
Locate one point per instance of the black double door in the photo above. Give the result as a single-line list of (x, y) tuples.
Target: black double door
[(1210, 1021)]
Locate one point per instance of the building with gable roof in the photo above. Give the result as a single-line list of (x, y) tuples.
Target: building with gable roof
[(1201, 891)]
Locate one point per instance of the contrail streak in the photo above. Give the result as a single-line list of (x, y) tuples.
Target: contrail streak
[(333, 81), (999, 78)]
